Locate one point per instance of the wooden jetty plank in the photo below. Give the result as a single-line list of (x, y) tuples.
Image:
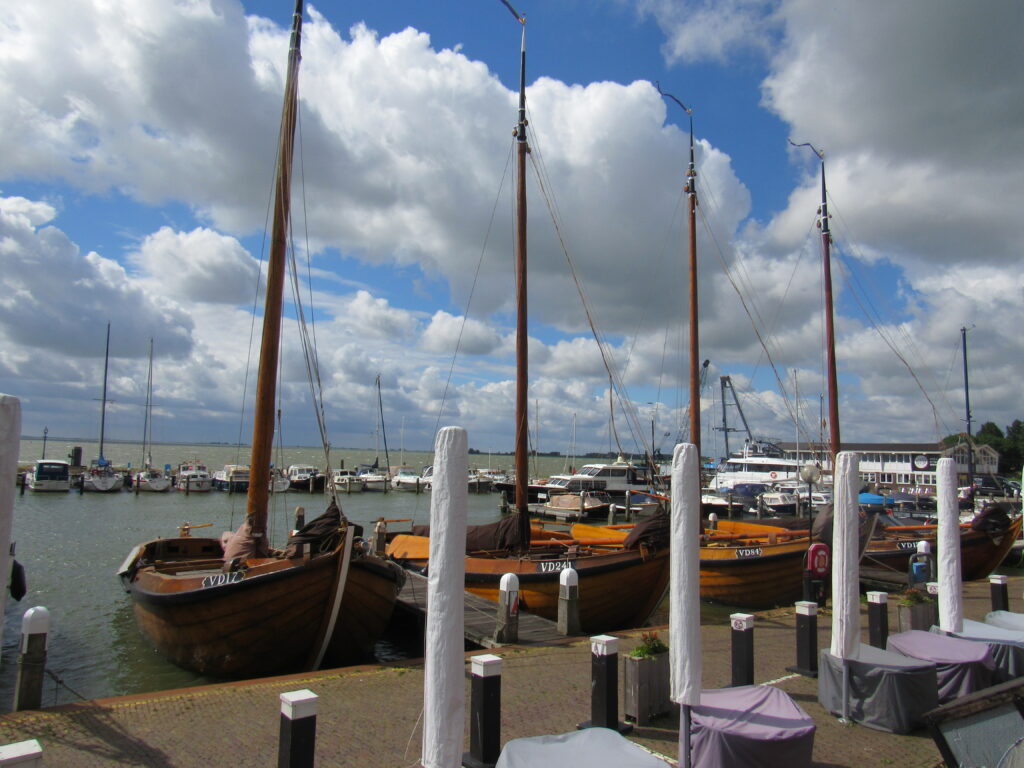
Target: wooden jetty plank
[(479, 616)]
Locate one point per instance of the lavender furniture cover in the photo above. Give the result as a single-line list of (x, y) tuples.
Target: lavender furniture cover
[(887, 691), (961, 666), (1007, 647), (750, 725), (588, 748)]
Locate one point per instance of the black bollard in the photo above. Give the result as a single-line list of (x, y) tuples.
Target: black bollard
[(742, 649), (1000, 593), (878, 619), (806, 639), (604, 685), (298, 729), (485, 712), (28, 690)]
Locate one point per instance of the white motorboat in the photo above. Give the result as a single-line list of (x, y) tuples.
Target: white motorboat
[(193, 477), (233, 478), (49, 475), (346, 481)]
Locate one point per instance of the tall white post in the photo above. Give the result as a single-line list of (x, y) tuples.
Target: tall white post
[(684, 594), (444, 667), (10, 440), (951, 612)]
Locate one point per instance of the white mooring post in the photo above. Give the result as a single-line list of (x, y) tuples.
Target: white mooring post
[(10, 440), (444, 664), (569, 603), (35, 629), (506, 628), (22, 754)]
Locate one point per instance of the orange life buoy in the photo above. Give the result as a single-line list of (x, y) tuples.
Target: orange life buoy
[(774, 475)]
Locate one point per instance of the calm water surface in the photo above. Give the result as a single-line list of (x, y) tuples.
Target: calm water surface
[(71, 545)]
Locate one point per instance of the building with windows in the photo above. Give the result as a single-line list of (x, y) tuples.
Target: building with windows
[(901, 466)]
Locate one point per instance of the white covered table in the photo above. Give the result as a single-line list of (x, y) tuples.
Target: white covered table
[(587, 748)]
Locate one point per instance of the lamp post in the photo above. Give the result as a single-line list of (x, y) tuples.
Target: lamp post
[(810, 474), (46, 431)]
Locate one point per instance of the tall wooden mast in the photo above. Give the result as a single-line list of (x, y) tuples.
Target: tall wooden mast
[(266, 382), (522, 335), (830, 336)]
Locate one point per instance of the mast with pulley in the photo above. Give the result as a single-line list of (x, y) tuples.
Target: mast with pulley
[(967, 408)]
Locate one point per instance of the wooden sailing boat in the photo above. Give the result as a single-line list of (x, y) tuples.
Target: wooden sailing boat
[(101, 476), (240, 608), (620, 583)]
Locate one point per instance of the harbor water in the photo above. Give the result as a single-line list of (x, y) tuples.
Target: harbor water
[(72, 544)]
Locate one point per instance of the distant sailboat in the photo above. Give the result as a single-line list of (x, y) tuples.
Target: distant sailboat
[(150, 478), (240, 608), (101, 476)]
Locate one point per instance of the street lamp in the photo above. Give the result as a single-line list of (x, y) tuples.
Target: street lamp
[(810, 474), (46, 431)]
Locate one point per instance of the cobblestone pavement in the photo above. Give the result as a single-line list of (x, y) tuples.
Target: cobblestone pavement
[(370, 716)]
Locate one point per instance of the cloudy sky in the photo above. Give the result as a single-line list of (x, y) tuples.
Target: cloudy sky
[(137, 142)]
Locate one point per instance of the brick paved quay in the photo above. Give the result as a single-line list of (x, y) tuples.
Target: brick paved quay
[(368, 716)]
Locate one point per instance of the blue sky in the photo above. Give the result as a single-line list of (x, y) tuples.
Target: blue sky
[(138, 142)]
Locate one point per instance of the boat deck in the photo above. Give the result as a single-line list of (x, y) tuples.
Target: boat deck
[(480, 616)]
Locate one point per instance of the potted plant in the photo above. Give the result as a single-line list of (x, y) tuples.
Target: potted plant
[(646, 680), (915, 609)]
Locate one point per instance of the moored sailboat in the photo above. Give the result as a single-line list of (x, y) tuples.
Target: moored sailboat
[(620, 583), (233, 606)]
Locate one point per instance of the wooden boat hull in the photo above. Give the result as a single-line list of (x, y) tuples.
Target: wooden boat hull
[(618, 588), (266, 620), (981, 552), (752, 566)]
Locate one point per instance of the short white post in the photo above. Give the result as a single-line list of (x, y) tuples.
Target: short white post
[(23, 754), (506, 629), (35, 628), (569, 603)]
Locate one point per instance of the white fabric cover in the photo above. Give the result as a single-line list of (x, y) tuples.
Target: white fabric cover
[(588, 748), (951, 610), (444, 665), (10, 441), (684, 587), (846, 558)]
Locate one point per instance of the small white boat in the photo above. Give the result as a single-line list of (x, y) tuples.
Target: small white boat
[(102, 478), (403, 478), (373, 479), (346, 481), (233, 478), (49, 475), (193, 477), (305, 477), (479, 482), (279, 482), (151, 480)]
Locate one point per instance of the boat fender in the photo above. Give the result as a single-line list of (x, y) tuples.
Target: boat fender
[(18, 586), (818, 559)]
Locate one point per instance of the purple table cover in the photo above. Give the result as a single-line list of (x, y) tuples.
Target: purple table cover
[(750, 725), (1006, 645), (887, 690), (961, 666)]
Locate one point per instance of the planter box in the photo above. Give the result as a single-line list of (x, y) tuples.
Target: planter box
[(917, 616), (646, 687)]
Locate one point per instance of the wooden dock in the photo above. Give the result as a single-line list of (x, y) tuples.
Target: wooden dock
[(480, 616)]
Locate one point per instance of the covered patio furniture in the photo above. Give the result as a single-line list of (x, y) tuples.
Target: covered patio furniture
[(961, 666)]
